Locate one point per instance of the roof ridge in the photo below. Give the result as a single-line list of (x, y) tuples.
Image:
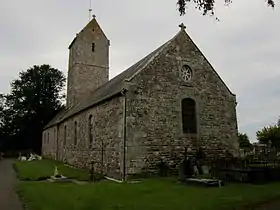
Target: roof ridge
[(90, 22), (113, 86), (155, 54)]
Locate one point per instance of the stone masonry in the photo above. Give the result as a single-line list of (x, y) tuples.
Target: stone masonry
[(107, 148), (137, 116), (154, 98), (88, 63)]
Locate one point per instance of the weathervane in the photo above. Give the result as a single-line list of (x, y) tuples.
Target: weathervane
[(90, 10)]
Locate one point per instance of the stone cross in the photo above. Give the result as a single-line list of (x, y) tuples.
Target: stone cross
[(55, 171), (94, 16), (182, 26)]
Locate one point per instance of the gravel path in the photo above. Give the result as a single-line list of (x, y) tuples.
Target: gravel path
[(9, 200)]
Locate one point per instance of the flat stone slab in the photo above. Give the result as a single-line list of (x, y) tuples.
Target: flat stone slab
[(205, 182), (63, 179)]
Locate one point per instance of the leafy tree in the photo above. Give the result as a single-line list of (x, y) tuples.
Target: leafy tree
[(207, 6), (34, 100), (269, 133), (244, 141), (278, 122)]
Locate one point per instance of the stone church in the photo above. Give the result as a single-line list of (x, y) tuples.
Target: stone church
[(170, 100)]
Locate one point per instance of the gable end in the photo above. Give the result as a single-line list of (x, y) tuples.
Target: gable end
[(213, 69)]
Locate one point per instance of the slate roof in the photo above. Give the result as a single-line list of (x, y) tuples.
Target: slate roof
[(115, 86), (93, 21), (110, 89)]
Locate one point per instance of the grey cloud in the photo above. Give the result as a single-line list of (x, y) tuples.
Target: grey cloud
[(259, 105)]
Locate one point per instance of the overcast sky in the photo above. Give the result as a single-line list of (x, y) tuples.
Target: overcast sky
[(243, 47)]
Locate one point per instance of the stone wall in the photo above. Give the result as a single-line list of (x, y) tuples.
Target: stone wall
[(107, 148), (49, 142), (154, 117), (88, 70)]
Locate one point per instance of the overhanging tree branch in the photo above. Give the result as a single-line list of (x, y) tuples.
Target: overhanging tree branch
[(207, 6)]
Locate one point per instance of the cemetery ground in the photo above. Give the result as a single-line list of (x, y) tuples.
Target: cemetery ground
[(149, 194), (42, 169)]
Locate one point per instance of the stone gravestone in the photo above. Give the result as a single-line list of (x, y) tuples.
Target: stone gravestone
[(23, 158), (186, 170), (186, 167), (19, 156), (205, 170), (242, 153), (195, 168), (182, 171), (55, 174), (31, 157)]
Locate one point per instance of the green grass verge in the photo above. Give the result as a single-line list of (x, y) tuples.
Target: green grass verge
[(39, 169), (151, 194)]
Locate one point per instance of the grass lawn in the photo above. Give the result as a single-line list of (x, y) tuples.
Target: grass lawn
[(35, 170), (151, 194)]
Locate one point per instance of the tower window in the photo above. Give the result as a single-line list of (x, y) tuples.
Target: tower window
[(44, 138), (93, 47)]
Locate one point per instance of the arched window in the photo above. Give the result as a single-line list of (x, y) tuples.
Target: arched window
[(189, 116), (54, 134), (44, 138), (75, 133), (64, 140), (90, 130), (48, 137)]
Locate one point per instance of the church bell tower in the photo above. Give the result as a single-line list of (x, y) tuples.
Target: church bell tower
[(88, 66)]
